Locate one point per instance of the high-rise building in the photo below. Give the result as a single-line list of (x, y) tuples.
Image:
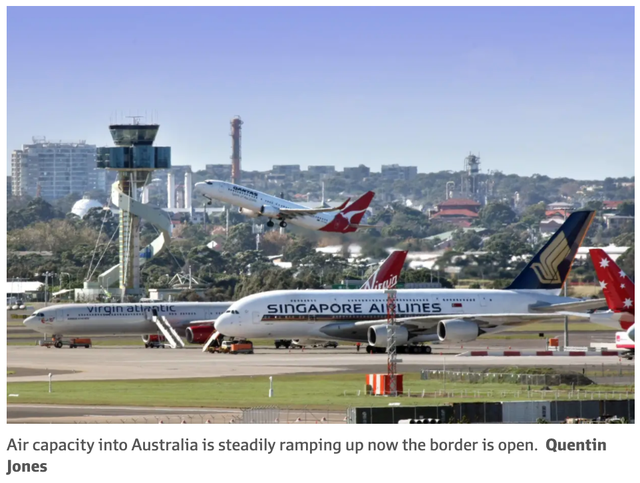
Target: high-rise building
[(358, 173), (395, 171), (53, 169)]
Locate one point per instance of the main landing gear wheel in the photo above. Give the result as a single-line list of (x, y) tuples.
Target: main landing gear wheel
[(426, 349), (283, 224), (270, 223), (58, 344)]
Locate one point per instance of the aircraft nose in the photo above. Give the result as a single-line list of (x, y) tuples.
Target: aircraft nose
[(199, 187), (30, 322), (222, 322)]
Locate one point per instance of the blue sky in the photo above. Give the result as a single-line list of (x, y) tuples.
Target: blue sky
[(533, 90)]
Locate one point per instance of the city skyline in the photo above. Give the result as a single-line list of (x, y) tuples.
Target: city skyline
[(535, 90)]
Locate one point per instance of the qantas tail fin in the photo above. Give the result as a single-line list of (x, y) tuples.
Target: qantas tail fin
[(550, 267), (348, 218), (617, 287), (386, 276), (356, 210)]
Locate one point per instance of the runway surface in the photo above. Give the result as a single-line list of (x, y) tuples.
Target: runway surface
[(133, 363)]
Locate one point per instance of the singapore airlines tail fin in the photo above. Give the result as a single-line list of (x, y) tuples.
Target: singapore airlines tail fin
[(550, 267), (617, 287), (387, 275)]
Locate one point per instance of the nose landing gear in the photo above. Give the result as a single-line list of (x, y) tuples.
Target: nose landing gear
[(270, 223)]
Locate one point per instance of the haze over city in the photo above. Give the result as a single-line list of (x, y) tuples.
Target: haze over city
[(535, 90)]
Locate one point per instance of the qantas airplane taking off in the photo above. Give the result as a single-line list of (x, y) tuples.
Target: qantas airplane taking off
[(619, 292), (191, 319), (423, 315), (254, 204)]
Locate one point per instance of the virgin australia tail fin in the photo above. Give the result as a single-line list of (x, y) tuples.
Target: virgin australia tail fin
[(617, 287), (387, 275), (550, 267)]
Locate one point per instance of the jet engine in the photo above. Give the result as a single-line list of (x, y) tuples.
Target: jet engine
[(377, 335), (457, 330), (249, 213), (269, 211), (632, 332), (198, 334)]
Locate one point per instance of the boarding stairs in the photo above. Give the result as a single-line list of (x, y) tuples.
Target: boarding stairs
[(213, 337), (169, 333)]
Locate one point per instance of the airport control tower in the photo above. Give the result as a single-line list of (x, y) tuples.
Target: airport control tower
[(134, 158)]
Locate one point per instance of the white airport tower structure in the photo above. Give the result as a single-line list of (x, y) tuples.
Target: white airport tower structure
[(134, 159)]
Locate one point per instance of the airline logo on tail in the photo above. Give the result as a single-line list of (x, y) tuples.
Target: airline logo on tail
[(347, 220), (550, 267), (386, 277), (617, 287), (550, 259)]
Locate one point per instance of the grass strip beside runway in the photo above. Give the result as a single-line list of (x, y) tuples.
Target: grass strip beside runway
[(330, 392)]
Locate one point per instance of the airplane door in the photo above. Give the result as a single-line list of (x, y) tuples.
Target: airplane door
[(256, 317), (483, 301)]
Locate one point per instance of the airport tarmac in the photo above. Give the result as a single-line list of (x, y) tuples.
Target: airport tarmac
[(110, 363)]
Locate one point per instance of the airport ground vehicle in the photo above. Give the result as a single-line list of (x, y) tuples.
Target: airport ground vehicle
[(154, 342), (236, 347), (283, 343), (72, 343)]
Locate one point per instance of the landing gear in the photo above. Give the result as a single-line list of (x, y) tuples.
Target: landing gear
[(283, 224), (283, 343), (270, 223), (58, 344), (403, 349)]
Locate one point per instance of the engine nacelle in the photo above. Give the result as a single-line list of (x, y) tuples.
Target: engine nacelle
[(249, 213), (457, 330), (632, 332), (377, 335), (269, 211), (198, 334)]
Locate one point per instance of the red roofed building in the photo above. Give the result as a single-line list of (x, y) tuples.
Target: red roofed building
[(611, 205), (459, 211)]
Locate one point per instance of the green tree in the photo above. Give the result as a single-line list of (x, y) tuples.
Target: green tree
[(496, 215), (627, 208)]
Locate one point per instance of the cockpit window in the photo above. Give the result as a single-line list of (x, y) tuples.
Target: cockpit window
[(209, 182)]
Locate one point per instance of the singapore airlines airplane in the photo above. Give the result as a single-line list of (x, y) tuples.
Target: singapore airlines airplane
[(619, 291), (422, 315), (254, 204), (191, 319)]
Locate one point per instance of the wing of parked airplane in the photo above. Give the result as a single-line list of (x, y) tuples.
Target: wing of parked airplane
[(593, 304), (486, 320), (289, 213)]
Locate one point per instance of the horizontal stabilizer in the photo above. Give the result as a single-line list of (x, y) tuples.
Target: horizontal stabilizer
[(583, 305)]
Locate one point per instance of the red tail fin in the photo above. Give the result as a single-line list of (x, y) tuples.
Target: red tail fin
[(617, 287), (386, 276), (351, 215)]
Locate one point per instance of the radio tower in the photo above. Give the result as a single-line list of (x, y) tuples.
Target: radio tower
[(392, 360), (236, 126)]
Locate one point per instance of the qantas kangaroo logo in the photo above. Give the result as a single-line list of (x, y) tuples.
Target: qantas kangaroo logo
[(550, 259), (350, 215)]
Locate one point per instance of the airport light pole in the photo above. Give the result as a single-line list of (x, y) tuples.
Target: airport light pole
[(566, 319), (392, 360)]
